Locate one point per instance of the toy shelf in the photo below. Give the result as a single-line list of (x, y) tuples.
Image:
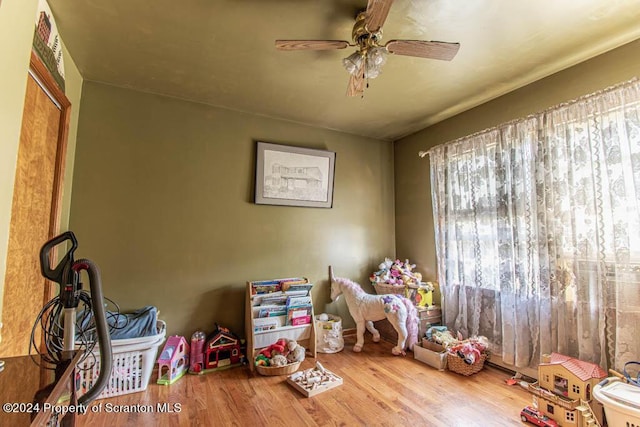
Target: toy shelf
[(266, 330)]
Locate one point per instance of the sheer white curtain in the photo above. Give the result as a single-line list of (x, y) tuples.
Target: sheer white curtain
[(538, 231)]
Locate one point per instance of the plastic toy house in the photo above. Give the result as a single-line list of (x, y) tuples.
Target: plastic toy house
[(564, 391), (174, 360), (223, 349)]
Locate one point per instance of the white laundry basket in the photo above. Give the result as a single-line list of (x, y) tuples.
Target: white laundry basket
[(133, 362), (621, 402), (329, 333)]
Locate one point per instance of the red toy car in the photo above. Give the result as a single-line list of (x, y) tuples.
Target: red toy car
[(532, 416)]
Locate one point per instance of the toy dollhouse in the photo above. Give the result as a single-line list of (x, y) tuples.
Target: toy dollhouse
[(174, 360), (564, 391), (223, 349)]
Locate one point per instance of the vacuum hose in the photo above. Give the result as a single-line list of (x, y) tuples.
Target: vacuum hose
[(102, 329)]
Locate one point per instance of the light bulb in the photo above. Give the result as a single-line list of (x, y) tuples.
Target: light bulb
[(376, 57), (353, 62)]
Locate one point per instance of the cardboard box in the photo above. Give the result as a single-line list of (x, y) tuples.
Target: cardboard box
[(432, 354)]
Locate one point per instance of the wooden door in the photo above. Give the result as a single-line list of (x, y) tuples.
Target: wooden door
[(35, 207)]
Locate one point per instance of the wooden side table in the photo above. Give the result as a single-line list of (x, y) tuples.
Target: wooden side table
[(428, 316), (22, 378)]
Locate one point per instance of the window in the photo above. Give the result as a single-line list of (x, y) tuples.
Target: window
[(570, 416), (561, 385), (536, 224)]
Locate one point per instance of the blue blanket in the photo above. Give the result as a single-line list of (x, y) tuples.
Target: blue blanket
[(139, 323)]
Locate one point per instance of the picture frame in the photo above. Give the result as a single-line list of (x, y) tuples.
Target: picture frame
[(294, 176)]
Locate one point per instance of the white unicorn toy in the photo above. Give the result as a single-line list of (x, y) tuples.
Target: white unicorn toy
[(367, 308)]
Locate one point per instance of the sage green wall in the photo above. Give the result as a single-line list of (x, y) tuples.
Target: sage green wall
[(17, 22), (73, 82), (162, 202), (17, 19), (414, 216)]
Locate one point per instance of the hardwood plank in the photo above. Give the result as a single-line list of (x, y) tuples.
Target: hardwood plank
[(379, 389)]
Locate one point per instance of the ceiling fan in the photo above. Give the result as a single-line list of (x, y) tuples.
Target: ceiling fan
[(366, 62)]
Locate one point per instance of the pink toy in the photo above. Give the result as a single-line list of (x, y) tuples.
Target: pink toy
[(197, 352), (174, 360), (470, 350)]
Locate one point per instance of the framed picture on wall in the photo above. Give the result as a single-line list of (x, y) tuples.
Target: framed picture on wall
[(294, 176)]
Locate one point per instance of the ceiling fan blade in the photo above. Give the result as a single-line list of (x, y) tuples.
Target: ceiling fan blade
[(311, 44), (376, 14), (356, 82), (424, 49)]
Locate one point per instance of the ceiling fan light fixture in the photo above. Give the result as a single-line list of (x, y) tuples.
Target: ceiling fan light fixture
[(353, 62), (376, 58), (366, 63)]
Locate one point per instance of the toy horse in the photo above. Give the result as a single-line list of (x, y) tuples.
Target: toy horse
[(366, 308)]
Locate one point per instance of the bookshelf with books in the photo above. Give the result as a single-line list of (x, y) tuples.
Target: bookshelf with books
[(279, 308)]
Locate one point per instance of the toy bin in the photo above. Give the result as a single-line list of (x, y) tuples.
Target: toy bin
[(621, 402), (133, 362), (329, 334), (459, 366), (431, 353)]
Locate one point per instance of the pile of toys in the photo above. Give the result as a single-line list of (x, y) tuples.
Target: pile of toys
[(221, 350), (397, 273), (464, 356), (280, 353)]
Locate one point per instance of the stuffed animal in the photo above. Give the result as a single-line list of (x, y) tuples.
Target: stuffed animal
[(471, 350), (444, 338), (296, 352), (261, 360), (279, 347), (468, 352), (278, 360)]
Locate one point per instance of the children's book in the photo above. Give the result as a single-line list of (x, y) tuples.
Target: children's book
[(299, 315), (294, 301), (277, 285), (267, 323), (271, 310)]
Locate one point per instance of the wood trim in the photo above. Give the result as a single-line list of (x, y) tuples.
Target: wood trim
[(65, 382), (46, 80)]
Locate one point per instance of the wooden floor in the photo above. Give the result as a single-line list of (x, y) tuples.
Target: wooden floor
[(379, 390)]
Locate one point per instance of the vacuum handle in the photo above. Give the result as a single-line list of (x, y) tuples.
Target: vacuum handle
[(102, 330), (57, 274)]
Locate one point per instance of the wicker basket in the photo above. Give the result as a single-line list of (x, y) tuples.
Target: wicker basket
[(457, 364), (385, 288), (278, 370)]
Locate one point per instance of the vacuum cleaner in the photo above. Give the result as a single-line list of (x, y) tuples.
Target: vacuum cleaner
[(60, 319)]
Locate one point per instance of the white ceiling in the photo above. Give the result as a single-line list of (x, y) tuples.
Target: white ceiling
[(221, 52)]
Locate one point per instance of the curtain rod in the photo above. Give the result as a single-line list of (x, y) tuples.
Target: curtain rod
[(612, 88)]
